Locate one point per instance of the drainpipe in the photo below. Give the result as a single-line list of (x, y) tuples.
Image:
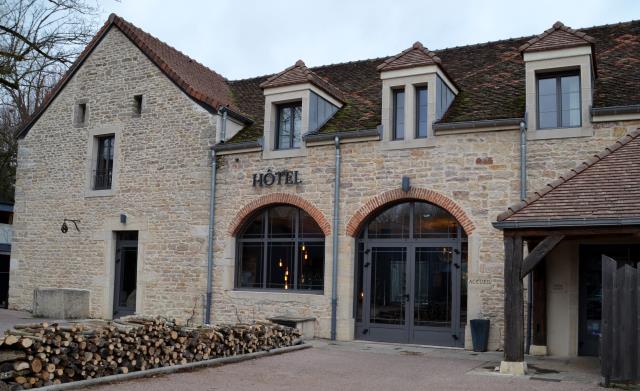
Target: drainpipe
[(212, 206), (334, 273), (523, 195)]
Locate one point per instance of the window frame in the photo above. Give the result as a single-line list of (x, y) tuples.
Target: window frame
[(418, 89), (394, 117), (98, 159), (264, 240), (279, 108), (557, 76)]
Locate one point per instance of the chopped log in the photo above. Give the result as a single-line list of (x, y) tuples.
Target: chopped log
[(20, 365)]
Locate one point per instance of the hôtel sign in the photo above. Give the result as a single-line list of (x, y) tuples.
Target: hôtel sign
[(270, 178)]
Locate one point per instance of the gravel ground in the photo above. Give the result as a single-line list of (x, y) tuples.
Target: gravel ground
[(352, 366)]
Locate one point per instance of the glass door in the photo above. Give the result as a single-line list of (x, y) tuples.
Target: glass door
[(385, 294), (125, 277), (435, 301)]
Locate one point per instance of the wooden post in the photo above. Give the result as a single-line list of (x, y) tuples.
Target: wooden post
[(513, 303)]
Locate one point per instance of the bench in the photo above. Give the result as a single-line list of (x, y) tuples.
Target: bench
[(306, 325)]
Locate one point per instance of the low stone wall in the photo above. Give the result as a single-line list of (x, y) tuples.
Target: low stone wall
[(61, 303)]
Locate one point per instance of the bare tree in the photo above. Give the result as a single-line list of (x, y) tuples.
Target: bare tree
[(39, 40)]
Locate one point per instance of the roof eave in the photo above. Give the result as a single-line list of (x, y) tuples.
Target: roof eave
[(567, 223)]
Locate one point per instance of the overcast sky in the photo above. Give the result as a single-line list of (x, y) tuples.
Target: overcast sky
[(241, 39)]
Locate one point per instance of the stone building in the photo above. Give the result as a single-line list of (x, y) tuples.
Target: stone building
[(356, 199)]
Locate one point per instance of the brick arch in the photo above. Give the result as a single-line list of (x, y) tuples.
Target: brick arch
[(371, 207), (278, 198)]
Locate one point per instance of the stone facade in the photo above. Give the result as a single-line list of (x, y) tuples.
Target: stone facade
[(163, 182)]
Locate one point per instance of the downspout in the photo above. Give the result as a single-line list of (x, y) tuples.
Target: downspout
[(523, 195), (336, 219), (212, 208)]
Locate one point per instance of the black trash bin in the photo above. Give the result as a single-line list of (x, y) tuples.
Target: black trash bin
[(480, 334)]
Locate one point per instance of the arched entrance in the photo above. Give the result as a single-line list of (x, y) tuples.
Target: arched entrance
[(411, 276)]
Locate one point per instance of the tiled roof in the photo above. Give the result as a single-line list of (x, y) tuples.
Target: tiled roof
[(416, 56), (607, 186), (298, 74), (489, 77), (199, 82), (558, 36)]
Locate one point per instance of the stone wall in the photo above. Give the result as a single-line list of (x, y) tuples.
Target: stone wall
[(163, 181)]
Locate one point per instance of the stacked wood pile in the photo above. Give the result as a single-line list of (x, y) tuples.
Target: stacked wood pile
[(39, 354)]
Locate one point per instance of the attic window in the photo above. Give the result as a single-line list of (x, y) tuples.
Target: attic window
[(80, 117), (137, 104)]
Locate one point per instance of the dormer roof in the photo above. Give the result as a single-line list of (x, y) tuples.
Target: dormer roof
[(558, 36), (416, 56), (300, 74)]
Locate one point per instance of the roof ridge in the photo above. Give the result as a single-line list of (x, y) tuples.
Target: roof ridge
[(309, 76), (557, 26), (580, 168), (436, 51), (417, 46)]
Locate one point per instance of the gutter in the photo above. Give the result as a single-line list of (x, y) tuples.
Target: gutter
[(316, 136), (222, 147), (615, 110), (336, 220), (567, 223), (485, 123), (523, 195), (212, 210)]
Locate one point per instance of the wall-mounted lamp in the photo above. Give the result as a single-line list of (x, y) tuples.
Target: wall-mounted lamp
[(406, 184), (65, 227)]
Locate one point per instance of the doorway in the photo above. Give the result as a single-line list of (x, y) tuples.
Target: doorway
[(590, 280), (125, 273), (411, 277)]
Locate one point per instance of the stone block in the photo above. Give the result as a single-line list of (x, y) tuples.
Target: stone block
[(517, 368), (61, 303)]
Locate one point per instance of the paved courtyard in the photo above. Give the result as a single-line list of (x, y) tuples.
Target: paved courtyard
[(370, 366)]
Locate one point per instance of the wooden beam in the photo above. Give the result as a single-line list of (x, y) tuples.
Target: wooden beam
[(513, 300), (539, 252)]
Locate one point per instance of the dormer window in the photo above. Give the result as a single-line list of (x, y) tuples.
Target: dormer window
[(416, 92), (289, 125), (559, 101), (559, 73), (398, 114), (297, 102)]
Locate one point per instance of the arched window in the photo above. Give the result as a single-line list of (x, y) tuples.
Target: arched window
[(281, 247)]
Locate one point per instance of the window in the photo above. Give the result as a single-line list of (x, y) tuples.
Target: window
[(559, 101), (398, 114), (281, 248), (137, 104), (421, 112), (104, 164), (289, 126), (80, 116)]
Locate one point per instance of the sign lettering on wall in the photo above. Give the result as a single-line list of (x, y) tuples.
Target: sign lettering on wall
[(269, 178)]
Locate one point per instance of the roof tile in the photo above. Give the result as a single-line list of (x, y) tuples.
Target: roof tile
[(607, 186)]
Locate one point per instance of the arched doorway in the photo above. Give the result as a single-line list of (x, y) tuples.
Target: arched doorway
[(411, 276)]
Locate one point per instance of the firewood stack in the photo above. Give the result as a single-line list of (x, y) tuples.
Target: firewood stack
[(39, 354)]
